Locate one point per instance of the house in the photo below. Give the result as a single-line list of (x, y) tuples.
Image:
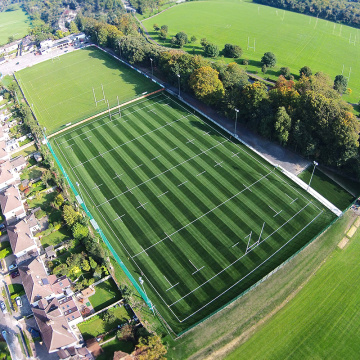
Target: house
[(75, 353), (21, 239), (6, 175), (3, 135), (2, 60), (60, 285), (17, 164), (35, 281), (11, 205), (8, 48), (11, 145), (94, 347), (37, 156), (70, 311), (55, 331), (4, 155), (27, 44), (33, 224), (120, 355)]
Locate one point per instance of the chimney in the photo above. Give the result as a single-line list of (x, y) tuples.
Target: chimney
[(28, 271), (49, 322)]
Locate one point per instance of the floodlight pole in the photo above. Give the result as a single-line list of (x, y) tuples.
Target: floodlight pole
[(152, 70), (315, 164), (178, 75), (236, 115), (141, 281)]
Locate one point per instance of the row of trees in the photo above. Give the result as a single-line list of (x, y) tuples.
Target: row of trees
[(308, 116), (344, 11)]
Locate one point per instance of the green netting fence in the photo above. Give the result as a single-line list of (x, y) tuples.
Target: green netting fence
[(98, 230)]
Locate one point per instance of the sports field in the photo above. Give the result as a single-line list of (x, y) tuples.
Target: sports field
[(296, 40), (61, 90), (13, 23), (200, 217), (321, 322)]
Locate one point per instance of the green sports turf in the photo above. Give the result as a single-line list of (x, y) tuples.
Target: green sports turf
[(13, 23), (328, 188), (180, 203), (321, 322), (61, 90), (297, 40)]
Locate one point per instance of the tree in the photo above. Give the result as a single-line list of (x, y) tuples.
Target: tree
[(232, 51), (203, 42), (98, 272), (73, 28), (180, 39), (61, 269), (156, 27), (163, 34), (80, 231), (285, 72), (211, 50), (85, 265), (282, 125), (10, 39), (233, 76), (305, 71), (340, 83), (127, 333), (264, 69), (93, 263), (193, 39), (45, 177), (268, 59), (165, 28), (151, 348), (75, 260), (109, 317), (70, 215), (206, 85), (59, 200)]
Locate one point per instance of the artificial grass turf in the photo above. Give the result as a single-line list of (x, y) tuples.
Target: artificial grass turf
[(295, 39), (321, 322), (13, 23), (106, 293), (332, 191), (61, 91), (178, 202)]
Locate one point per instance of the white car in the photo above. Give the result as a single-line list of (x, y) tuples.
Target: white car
[(12, 267), (18, 301), (3, 307)]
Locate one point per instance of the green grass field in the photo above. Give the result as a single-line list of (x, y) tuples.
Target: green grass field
[(321, 322), (328, 188), (61, 90), (296, 40), (106, 293), (199, 217), (13, 23)]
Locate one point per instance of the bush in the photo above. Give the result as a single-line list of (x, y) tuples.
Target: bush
[(285, 72), (232, 51), (5, 252), (211, 50)]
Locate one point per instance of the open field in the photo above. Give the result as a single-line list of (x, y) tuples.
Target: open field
[(199, 217), (296, 40), (13, 23), (61, 90), (321, 322), (328, 188), (106, 293)]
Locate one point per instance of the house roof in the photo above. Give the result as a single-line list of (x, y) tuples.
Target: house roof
[(18, 161), (69, 308), (35, 280), (3, 152), (31, 220), (54, 329), (121, 355), (5, 174), (59, 284), (10, 199), (94, 347), (20, 236)]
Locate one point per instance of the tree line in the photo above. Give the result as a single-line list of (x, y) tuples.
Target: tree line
[(342, 11)]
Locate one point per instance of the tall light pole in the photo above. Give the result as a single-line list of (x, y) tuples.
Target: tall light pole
[(236, 115), (152, 70), (178, 75), (315, 164), (141, 281)]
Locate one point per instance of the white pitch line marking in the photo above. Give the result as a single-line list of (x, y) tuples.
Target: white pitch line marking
[(119, 218), (128, 189), (289, 196), (173, 149), (277, 213), (152, 111), (190, 141), (195, 268), (272, 209), (206, 133), (96, 187), (87, 138), (235, 244), (201, 173), (218, 163), (137, 166), (69, 146), (235, 154), (142, 205), (156, 157), (117, 176), (294, 200), (162, 194), (172, 286), (144, 250), (247, 187), (182, 183), (168, 236)]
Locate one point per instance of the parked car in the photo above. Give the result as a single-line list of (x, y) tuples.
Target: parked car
[(18, 301), (2, 226), (3, 307), (3, 333), (12, 267), (15, 274)]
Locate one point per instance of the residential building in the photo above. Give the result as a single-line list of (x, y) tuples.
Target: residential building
[(70, 311), (17, 164), (8, 48), (60, 285), (21, 239), (11, 205), (2, 60), (11, 144), (4, 155), (55, 331), (33, 224), (35, 281), (6, 175), (3, 135)]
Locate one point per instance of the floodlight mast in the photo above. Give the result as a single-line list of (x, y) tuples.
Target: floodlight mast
[(236, 116), (152, 69), (141, 281), (178, 75), (312, 174)]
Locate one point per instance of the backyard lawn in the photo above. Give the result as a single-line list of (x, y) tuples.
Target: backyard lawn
[(56, 237), (106, 293), (5, 249), (115, 345), (96, 326), (16, 289)]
